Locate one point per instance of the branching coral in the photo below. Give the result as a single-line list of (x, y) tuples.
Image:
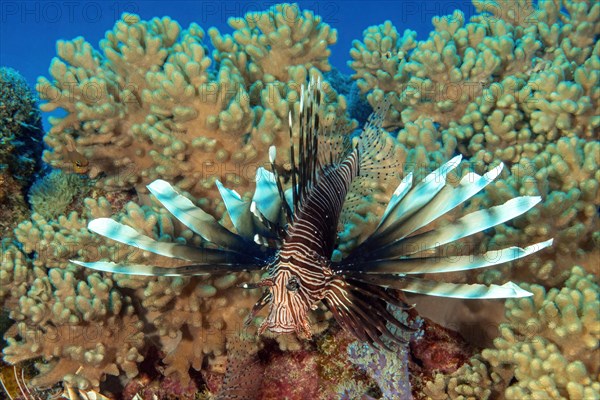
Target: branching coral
[(566, 175), (16, 274), (284, 36), (54, 242), (536, 355), (517, 84), (442, 75), (471, 381), (150, 103), (81, 329)]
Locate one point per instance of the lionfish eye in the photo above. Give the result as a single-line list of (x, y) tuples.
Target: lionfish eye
[(292, 284)]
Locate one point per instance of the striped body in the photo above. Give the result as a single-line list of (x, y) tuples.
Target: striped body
[(293, 238), (301, 273)]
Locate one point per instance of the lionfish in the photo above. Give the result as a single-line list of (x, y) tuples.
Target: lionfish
[(291, 234)]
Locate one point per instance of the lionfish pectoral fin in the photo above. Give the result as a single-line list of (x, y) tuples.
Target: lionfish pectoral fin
[(149, 270), (448, 263), (267, 196), (125, 234), (446, 200), (397, 196), (286, 205), (467, 291), (361, 311), (470, 224), (445, 289), (198, 220), (238, 210), (271, 238), (410, 204)]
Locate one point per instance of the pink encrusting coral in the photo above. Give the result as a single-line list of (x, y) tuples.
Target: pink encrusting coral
[(521, 91)]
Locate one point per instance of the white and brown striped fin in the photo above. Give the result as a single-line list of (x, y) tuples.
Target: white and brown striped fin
[(150, 270), (445, 200), (198, 220), (266, 196), (409, 205), (238, 210), (129, 236), (318, 147), (445, 289), (397, 196), (260, 215), (470, 224), (437, 264)]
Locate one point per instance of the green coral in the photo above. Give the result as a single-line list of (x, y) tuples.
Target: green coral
[(51, 195), (20, 145), (20, 126)]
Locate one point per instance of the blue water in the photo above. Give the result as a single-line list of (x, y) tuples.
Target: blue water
[(29, 29)]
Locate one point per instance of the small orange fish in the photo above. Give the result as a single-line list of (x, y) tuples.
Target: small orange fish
[(80, 163)]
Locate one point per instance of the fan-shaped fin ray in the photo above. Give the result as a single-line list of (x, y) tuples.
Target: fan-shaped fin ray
[(266, 195), (448, 263), (149, 270), (470, 224), (447, 199), (410, 204), (271, 236), (198, 220), (238, 210), (129, 236), (397, 196), (444, 289), (362, 311), (420, 195), (285, 203)]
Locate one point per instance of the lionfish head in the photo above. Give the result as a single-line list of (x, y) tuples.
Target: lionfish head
[(288, 308)]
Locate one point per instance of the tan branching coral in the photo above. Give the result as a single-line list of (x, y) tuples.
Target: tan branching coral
[(524, 95), (536, 355), (537, 342), (16, 273), (82, 330), (566, 175), (471, 381), (443, 74), (264, 44), (152, 103), (151, 106)]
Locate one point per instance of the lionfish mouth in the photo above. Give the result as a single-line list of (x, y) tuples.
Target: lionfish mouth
[(288, 325)]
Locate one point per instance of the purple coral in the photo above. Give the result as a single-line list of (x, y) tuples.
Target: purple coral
[(388, 368)]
